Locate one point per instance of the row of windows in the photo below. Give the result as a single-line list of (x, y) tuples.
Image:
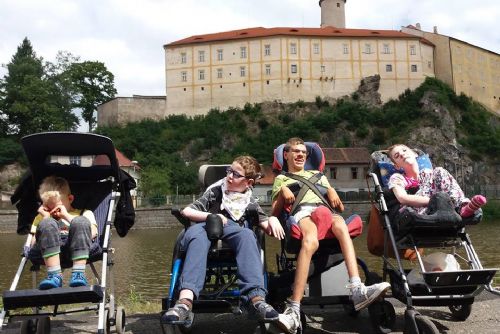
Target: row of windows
[(354, 172), (293, 69), (293, 50)]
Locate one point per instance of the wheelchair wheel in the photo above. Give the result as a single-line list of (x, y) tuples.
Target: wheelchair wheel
[(43, 326), (382, 316), (28, 326), (460, 312), (120, 320), (425, 325)]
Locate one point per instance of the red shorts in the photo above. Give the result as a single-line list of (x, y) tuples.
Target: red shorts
[(323, 219)]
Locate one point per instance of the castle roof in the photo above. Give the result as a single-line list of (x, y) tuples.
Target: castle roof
[(259, 32)]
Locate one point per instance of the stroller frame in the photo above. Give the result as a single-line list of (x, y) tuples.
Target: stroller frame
[(106, 178), (455, 289)]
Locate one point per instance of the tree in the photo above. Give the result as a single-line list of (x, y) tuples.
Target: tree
[(29, 101), (93, 85)]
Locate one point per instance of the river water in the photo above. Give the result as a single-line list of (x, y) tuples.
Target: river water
[(143, 257)]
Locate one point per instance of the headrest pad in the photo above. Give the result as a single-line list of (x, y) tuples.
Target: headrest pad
[(315, 158)]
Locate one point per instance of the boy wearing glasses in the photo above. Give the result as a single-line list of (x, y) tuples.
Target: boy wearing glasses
[(227, 198), (316, 222)]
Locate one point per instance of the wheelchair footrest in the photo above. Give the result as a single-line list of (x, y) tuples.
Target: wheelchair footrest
[(35, 297), (459, 277), (212, 306)]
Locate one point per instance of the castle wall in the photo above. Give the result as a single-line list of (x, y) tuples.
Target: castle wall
[(122, 110)]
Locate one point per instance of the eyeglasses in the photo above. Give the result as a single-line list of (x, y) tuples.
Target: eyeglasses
[(297, 151), (236, 175)]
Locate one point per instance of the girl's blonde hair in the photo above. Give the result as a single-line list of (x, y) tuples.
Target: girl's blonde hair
[(53, 187), (250, 165)]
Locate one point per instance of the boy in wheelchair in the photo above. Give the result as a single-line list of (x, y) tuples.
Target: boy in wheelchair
[(236, 190), (58, 229), (316, 222)]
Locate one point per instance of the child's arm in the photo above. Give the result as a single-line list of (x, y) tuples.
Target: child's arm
[(334, 199), (273, 227), (199, 216)]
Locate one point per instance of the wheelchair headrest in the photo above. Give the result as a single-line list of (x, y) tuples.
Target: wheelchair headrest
[(208, 174), (382, 165), (315, 158)]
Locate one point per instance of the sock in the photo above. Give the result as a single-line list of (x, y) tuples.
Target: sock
[(294, 305), (355, 281), (475, 203), (79, 268), (54, 270), (186, 301)]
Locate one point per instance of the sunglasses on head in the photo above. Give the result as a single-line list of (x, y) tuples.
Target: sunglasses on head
[(236, 175)]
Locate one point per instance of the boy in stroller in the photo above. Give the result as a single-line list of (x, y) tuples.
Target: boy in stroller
[(314, 218), (229, 213), (59, 227)]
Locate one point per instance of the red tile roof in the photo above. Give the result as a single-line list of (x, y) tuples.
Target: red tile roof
[(123, 161), (283, 31), (347, 155)]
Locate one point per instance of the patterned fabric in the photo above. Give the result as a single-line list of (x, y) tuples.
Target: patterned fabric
[(235, 203), (387, 168)]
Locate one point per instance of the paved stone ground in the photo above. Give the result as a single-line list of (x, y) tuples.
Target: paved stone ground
[(485, 318)]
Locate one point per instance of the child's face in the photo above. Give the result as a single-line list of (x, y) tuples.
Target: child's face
[(296, 157), (53, 202), (236, 180), (402, 155)]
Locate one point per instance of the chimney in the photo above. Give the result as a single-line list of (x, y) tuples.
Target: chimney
[(418, 26), (435, 29)]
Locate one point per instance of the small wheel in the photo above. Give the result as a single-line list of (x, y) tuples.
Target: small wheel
[(43, 326), (187, 329), (425, 325), (460, 312), (350, 310), (120, 320), (28, 326), (382, 316), (107, 323)]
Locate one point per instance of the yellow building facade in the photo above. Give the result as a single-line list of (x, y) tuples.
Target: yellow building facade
[(254, 65)]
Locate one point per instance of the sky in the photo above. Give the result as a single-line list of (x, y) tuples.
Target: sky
[(128, 35)]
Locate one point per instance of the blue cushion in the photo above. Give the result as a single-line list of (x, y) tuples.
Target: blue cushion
[(387, 168)]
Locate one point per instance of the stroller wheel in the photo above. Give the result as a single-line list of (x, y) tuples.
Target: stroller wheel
[(28, 326), (120, 320), (460, 312), (43, 326), (425, 325), (382, 316), (107, 322)]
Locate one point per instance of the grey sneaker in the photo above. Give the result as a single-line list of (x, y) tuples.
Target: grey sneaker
[(289, 321), (179, 314), (265, 311), (362, 296)]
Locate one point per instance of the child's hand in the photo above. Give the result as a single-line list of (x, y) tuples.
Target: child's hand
[(275, 229), (288, 196), (224, 219), (44, 211), (59, 212), (335, 201)]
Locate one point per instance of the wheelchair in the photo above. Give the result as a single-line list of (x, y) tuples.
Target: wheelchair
[(443, 229)]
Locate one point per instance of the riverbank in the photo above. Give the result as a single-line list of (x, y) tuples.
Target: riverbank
[(484, 319)]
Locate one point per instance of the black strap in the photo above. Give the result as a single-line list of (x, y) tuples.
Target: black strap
[(309, 185)]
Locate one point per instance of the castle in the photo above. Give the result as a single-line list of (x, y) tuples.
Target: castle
[(229, 69)]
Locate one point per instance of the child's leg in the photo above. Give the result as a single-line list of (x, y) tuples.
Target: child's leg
[(339, 229), (80, 237), (309, 246), (49, 240), (475, 203)]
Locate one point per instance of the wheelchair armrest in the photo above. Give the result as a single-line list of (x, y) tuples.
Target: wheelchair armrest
[(177, 214), (252, 214)]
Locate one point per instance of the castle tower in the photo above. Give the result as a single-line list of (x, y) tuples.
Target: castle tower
[(332, 13)]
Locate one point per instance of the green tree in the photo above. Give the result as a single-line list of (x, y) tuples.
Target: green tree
[(93, 85), (29, 100)]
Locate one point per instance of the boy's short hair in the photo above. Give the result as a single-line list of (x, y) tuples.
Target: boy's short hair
[(53, 186), (293, 141), (250, 165)]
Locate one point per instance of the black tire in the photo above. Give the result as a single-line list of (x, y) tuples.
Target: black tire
[(187, 329), (350, 310), (120, 320), (382, 316), (425, 325), (460, 312), (43, 326), (28, 326)]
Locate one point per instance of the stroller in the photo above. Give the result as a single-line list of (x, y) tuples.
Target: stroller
[(328, 275), (442, 228), (97, 188), (220, 293)]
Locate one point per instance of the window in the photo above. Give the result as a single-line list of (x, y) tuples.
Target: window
[(75, 160), (267, 50), (388, 68), (368, 48), (242, 71), (201, 56), (219, 73), (346, 49), (243, 52), (316, 48), (386, 49), (322, 68), (413, 50), (294, 68), (184, 76), (338, 5), (268, 69), (220, 55), (183, 58), (201, 74), (429, 64), (354, 173), (293, 48), (414, 68), (333, 173)]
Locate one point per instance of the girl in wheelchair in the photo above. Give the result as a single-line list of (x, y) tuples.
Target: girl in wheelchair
[(230, 208)]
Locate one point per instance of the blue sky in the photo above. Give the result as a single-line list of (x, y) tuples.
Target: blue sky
[(128, 35)]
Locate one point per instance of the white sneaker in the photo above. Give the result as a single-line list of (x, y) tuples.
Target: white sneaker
[(289, 320), (362, 295)]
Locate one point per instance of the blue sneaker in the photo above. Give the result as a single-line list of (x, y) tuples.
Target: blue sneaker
[(78, 279), (52, 281)]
